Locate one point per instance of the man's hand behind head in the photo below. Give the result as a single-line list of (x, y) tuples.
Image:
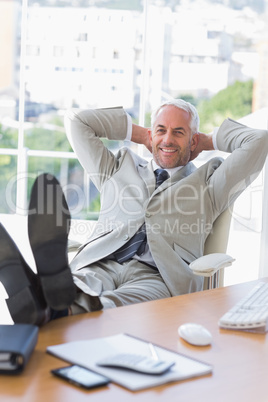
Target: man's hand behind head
[(204, 143)]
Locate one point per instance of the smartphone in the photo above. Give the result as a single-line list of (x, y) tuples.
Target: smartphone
[(81, 376)]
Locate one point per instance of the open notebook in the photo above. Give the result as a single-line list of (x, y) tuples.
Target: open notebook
[(88, 352)]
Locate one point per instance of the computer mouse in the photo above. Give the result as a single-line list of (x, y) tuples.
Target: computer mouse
[(195, 334)]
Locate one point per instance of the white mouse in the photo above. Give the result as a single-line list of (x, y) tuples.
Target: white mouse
[(195, 334)]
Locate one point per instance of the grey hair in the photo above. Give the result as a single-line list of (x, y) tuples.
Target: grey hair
[(180, 104)]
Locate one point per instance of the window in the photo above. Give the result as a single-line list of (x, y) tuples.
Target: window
[(58, 51), (60, 55), (33, 50), (116, 54)]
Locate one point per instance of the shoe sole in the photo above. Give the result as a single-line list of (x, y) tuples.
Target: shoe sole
[(22, 302), (48, 229), (22, 308)]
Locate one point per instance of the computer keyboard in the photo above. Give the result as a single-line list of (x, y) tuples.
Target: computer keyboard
[(250, 313)]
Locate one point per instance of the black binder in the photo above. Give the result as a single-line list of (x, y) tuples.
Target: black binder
[(17, 343)]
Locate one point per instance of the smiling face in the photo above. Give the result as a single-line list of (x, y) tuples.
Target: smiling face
[(171, 137)]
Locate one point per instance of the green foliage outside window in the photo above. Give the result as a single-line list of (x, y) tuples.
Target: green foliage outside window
[(235, 102)]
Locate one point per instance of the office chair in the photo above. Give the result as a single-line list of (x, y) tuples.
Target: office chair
[(211, 265)]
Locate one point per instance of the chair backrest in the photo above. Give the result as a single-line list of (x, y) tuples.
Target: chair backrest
[(217, 240)]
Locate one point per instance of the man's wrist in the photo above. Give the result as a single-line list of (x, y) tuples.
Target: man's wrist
[(205, 142)]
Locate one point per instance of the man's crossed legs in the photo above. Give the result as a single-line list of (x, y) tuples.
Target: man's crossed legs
[(53, 291), (34, 296)]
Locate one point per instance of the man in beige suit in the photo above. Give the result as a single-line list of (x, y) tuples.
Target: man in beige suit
[(178, 215), (173, 218)]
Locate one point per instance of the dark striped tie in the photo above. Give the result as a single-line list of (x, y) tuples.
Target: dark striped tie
[(160, 176), (138, 242)]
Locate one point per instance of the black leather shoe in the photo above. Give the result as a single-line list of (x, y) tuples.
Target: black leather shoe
[(25, 303), (48, 229)]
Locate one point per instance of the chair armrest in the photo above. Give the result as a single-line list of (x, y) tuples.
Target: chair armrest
[(209, 264)]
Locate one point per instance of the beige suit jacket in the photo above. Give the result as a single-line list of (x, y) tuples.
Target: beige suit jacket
[(179, 214)]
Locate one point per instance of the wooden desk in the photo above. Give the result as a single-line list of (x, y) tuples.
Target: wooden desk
[(240, 359)]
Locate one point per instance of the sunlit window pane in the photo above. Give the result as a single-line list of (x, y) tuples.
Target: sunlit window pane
[(56, 55)]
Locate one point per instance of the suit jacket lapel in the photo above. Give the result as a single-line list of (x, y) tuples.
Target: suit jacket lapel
[(183, 172), (147, 174)]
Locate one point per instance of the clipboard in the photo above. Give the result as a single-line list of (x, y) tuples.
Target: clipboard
[(88, 352)]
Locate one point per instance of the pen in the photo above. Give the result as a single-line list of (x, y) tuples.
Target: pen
[(153, 352)]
